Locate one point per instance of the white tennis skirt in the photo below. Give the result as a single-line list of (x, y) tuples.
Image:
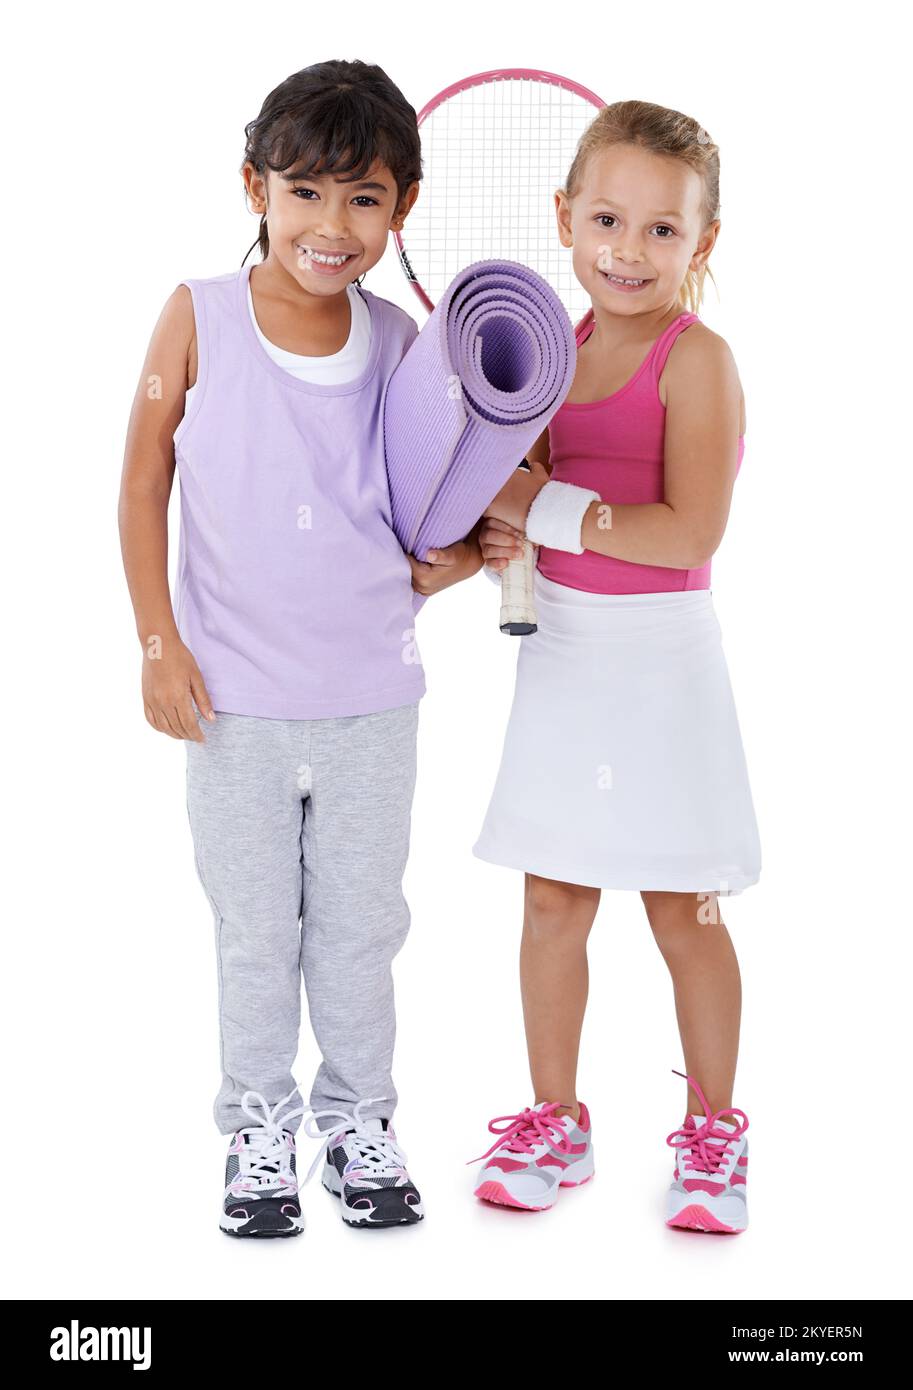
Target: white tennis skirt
[(623, 764)]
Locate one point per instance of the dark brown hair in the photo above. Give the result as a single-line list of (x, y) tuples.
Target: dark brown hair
[(337, 117)]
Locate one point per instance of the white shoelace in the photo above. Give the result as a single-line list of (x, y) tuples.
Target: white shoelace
[(381, 1154), (265, 1154)]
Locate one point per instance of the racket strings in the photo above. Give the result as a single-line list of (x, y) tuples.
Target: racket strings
[(494, 154)]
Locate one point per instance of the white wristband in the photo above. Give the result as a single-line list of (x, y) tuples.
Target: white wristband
[(556, 517)]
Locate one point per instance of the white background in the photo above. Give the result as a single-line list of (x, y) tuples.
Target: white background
[(123, 133)]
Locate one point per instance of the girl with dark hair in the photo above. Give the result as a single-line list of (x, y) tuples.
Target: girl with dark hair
[(292, 636)]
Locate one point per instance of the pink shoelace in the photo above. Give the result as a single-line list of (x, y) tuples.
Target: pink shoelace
[(705, 1157), (519, 1133)]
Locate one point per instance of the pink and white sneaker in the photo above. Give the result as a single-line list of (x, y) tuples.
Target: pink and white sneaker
[(708, 1191), (535, 1157)]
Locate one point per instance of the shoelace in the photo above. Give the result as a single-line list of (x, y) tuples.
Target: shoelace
[(523, 1131), (265, 1149), (709, 1146), (380, 1154)]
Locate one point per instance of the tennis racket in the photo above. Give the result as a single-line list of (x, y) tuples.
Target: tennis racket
[(495, 147)]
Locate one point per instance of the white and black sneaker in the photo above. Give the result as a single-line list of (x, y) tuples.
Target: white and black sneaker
[(261, 1184), (365, 1168)]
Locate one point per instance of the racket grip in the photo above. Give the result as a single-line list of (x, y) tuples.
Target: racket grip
[(518, 607)]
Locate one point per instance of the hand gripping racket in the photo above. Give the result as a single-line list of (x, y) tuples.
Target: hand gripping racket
[(495, 147)]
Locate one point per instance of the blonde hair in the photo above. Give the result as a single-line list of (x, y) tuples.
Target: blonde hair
[(663, 132)]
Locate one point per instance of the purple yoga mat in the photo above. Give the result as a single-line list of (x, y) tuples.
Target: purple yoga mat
[(475, 390)]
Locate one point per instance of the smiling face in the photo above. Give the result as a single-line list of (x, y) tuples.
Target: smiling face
[(326, 231), (635, 217)]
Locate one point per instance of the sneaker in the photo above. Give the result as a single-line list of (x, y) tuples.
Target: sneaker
[(261, 1185), (365, 1168), (536, 1156), (708, 1191)]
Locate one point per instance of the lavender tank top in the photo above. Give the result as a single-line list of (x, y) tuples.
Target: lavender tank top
[(292, 591)]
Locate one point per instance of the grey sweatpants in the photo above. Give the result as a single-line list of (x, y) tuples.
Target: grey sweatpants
[(301, 834)]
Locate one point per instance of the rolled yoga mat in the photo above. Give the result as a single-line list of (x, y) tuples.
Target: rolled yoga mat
[(475, 390)]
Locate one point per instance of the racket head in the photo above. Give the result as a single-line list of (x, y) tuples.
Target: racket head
[(496, 146)]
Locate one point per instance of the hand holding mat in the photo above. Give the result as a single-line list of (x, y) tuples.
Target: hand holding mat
[(477, 387)]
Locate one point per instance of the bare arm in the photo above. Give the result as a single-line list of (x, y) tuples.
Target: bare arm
[(449, 565), (170, 674), (500, 542), (539, 453), (701, 453)]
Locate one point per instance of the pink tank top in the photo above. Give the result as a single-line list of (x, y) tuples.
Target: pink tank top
[(616, 447)]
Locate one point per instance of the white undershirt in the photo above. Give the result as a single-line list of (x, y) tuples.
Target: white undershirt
[(345, 365)]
